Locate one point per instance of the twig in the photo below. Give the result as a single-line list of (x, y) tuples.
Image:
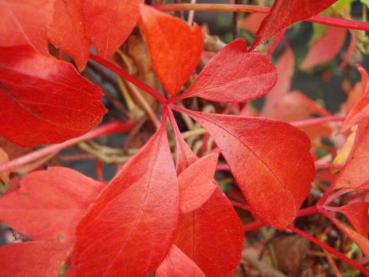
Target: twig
[(107, 129)]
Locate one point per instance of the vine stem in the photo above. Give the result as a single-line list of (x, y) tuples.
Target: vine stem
[(316, 121), (225, 167), (107, 129), (330, 249), (325, 20), (126, 76), (303, 212)]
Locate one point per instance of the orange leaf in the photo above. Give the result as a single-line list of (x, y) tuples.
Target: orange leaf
[(174, 47)]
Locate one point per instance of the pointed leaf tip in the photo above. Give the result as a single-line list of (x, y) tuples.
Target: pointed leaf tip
[(174, 47), (234, 75), (290, 11), (270, 160)]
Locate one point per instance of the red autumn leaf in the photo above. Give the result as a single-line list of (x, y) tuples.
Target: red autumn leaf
[(270, 161), (133, 219), (285, 68), (287, 12), (174, 47), (296, 106), (355, 174), (212, 236), (196, 183), (35, 258), (49, 204), (49, 104), (361, 241), (67, 30), (360, 111), (358, 215), (234, 75), (213, 231), (177, 264), (25, 22), (325, 48), (108, 23), (252, 22)]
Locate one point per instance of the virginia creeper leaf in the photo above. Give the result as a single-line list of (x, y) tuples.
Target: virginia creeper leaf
[(129, 229), (252, 22), (355, 174), (108, 23), (285, 68), (174, 47), (177, 264), (296, 106), (358, 215), (361, 241), (234, 75), (212, 236), (49, 204), (25, 22), (35, 258), (214, 226), (360, 112), (325, 48), (67, 30), (196, 183), (270, 161), (286, 12), (49, 104)]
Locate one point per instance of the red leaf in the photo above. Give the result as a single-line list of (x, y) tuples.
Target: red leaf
[(177, 264), (252, 22), (213, 231), (212, 236), (130, 228), (361, 241), (270, 161), (296, 106), (234, 75), (325, 48), (109, 23), (355, 173), (287, 12), (358, 215), (49, 104), (35, 258), (285, 68), (25, 22), (360, 111), (67, 30), (175, 47), (196, 183), (49, 204)]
